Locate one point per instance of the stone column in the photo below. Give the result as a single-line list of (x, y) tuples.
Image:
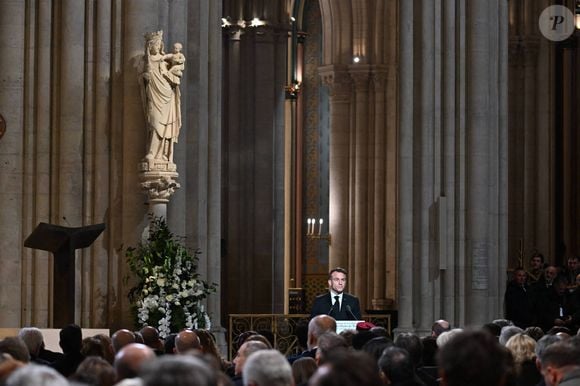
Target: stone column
[(361, 202), (379, 193), (453, 180), (339, 84), (486, 173)]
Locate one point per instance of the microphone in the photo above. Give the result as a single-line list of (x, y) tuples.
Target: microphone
[(349, 311), (331, 309)]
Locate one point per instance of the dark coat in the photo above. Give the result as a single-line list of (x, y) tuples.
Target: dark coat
[(349, 309), (518, 305)]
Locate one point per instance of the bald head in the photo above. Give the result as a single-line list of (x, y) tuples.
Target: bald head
[(129, 360), (151, 337), (318, 326), (439, 327), (121, 338), (186, 340)]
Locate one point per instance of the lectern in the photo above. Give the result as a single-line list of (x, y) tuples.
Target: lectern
[(63, 242)]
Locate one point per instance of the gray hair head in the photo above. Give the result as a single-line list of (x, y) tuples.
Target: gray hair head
[(507, 332), (36, 375), (544, 343), (32, 338), (267, 368), (180, 370)]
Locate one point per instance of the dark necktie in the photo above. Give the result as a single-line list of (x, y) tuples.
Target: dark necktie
[(337, 303)]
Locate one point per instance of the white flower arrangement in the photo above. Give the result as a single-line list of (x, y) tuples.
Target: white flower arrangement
[(169, 291)]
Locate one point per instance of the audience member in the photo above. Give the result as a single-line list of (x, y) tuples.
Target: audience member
[(361, 338), (518, 301), (546, 299), (178, 370), (209, 346), (107, 344), (121, 338), (429, 357), (380, 331), (502, 323), (397, 368), (34, 341), (534, 332), (492, 328), (138, 337), (376, 346), (92, 346), (151, 339), (239, 341), (95, 371), (36, 375), (329, 342), (347, 368), (130, 358), (7, 366), (70, 342), (248, 347), (16, 348), (474, 358), (507, 332), (302, 370), (522, 348), (429, 350), (412, 343), (316, 327), (439, 327), (541, 346), (561, 364), (267, 368), (186, 340), (536, 271), (260, 338), (446, 336), (348, 334), (560, 330), (169, 344), (571, 270)]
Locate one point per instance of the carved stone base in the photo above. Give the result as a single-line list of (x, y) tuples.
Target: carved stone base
[(158, 179), (157, 165)]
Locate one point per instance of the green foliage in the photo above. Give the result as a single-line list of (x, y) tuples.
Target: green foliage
[(169, 291)]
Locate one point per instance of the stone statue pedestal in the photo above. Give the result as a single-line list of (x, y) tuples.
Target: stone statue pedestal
[(158, 179)]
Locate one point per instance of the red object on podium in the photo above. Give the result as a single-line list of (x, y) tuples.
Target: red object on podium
[(63, 243)]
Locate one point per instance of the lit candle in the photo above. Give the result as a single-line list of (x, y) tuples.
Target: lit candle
[(320, 227), (308, 226)]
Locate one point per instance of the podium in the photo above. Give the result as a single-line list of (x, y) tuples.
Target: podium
[(63, 242), (342, 325)]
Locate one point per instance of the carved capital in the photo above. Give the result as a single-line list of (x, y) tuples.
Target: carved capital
[(360, 74), (158, 184), (338, 81), (233, 32)]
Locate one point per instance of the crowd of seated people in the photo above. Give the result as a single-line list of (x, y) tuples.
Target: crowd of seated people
[(503, 352), (544, 295), (499, 353)]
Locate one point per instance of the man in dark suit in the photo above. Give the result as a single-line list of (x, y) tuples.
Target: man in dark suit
[(337, 303)]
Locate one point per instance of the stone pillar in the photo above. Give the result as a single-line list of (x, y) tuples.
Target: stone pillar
[(254, 164), (453, 177), (339, 84), (378, 216), (361, 203)]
